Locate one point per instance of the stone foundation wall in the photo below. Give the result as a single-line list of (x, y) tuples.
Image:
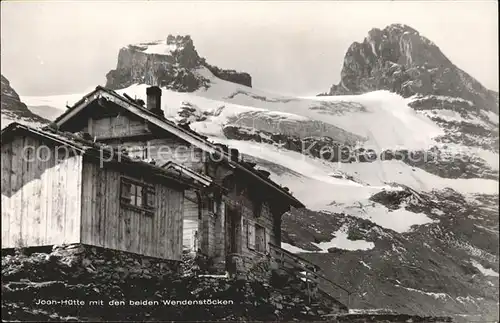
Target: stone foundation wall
[(256, 268), (118, 264)]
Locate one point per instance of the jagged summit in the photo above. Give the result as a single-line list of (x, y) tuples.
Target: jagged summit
[(172, 63), (165, 46), (13, 108), (399, 59)]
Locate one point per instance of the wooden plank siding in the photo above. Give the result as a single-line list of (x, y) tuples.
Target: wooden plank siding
[(40, 194), (208, 233), (265, 220), (243, 205), (191, 223), (108, 223), (116, 126)]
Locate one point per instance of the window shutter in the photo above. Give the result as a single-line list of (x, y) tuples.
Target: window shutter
[(133, 194), (260, 239), (251, 235), (150, 197), (125, 191), (138, 195)]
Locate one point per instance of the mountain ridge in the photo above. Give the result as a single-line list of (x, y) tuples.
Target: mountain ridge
[(167, 63)]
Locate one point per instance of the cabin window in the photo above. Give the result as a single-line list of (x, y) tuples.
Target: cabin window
[(137, 195), (256, 237)]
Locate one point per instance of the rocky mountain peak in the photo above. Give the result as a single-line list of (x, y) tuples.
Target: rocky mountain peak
[(172, 63), (399, 59), (11, 106)]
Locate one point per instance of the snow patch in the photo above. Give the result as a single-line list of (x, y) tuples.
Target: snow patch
[(434, 295), (364, 264), (159, 47), (493, 117), (292, 249), (341, 241), (483, 270)]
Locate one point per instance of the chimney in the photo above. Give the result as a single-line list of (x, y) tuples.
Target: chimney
[(154, 100), (234, 154)]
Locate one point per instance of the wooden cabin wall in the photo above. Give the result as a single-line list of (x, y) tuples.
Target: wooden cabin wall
[(208, 232), (116, 126), (107, 121), (212, 227), (41, 196), (220, 235), (107, 223), (164, 150)]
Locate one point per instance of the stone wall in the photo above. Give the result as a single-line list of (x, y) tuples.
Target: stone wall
[(111, 263)]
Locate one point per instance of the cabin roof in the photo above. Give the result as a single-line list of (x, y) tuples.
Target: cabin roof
[(201, 178), (91, 149), (188, 135)]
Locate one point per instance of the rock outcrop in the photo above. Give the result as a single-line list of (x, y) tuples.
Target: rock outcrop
[(12, 108), (399, 59), (173, 63)]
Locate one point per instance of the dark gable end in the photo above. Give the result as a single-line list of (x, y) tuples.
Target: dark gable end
[(188, 135)]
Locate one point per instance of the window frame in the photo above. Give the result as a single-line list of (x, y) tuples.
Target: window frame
[(250, 227), (263, 229), (251, 232), (147, 189)]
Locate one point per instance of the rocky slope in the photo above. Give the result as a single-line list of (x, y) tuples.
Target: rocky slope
[(13, 109), (88, 275), (169, 63), (89, 285), (446, 267)]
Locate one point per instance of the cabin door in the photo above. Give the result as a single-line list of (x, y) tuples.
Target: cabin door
[(233, 233)]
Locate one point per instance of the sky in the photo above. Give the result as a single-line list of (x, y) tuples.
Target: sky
[(287, 47)]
